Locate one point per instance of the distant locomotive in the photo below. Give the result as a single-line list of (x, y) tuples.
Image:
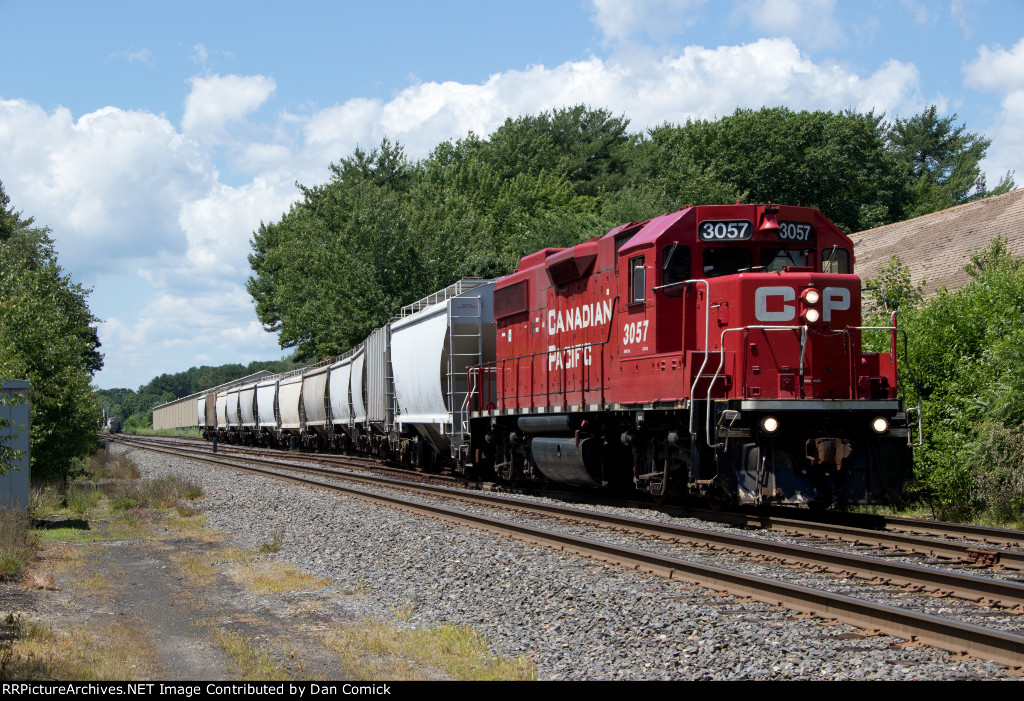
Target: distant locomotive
[(712, 352)]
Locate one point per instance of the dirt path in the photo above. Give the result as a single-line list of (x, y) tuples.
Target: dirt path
[(179, 605)]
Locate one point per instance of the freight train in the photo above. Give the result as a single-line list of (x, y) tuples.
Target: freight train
[(713, 352)]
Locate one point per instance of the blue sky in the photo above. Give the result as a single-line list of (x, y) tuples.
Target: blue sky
[(154, 137)]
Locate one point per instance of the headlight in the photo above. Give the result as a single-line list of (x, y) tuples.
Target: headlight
[(812, 315), (881, 425), (811, 296), (769, 424)]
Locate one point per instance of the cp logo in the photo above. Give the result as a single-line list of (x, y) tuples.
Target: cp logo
[(775, 304)]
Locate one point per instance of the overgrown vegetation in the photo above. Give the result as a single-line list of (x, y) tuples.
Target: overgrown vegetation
[(30, 652), (113, 492), (966, 350)]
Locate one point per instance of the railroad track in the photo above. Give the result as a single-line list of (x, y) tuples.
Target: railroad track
[(951, 635), (950, 543)]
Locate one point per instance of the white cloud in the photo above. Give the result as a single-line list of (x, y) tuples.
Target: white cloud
[(1001, 71), (109, 185), (620, 20), (173, 332), (997, 69), (216, 100), (199, 54), (697, 83), (140, 56), (809, 22), (219, 226)]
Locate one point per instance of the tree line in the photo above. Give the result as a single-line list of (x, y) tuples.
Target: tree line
[(384, 230)]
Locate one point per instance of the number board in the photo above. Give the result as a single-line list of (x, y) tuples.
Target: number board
[(796, 231), (731, 230)]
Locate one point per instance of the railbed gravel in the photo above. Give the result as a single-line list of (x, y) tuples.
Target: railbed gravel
[(574, 617)]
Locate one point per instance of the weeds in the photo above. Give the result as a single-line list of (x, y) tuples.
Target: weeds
[(271, 546), (253, 663), (276, 577), (457, 652), (82, 498), (117, 467), (17, 543), (403, 612), (31, 652)]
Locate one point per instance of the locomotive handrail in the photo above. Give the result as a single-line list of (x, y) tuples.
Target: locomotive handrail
[(707, 351), (899, 385), (803, 345), (721, 363)]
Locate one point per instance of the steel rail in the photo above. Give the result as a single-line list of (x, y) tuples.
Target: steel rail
[(985, 534), (953, 636), (969, 555), (983, 590), (930, 546)]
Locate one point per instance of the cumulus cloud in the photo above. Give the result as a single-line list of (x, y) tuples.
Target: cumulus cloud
[(811, 22), (218, 226), (619, 20), (997, 69), (696, 83), (216, 100), (1001, 71), (174, 332), (110, 184)]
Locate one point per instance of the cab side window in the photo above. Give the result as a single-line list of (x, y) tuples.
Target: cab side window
[(636, 280)]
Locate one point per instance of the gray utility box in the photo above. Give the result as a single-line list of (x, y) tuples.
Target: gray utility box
[(14, 408)]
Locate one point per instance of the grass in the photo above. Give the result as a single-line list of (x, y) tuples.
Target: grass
[(252, 663), (370, 650), (178, 432), (923, 511), (17, 543), (116, 467), (115, 651), (271, 546), (122, 505)]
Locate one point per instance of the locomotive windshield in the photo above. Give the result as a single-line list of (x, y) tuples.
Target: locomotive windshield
[(726, 261), (835, 260), (773, 260)]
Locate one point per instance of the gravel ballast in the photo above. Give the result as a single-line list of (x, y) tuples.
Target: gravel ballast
[(575, 618)]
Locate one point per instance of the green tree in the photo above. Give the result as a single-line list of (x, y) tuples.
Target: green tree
[(941, 162), (837, 163), (48, 336), (967, 349)]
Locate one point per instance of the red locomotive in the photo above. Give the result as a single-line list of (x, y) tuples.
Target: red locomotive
[(713, 351)]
